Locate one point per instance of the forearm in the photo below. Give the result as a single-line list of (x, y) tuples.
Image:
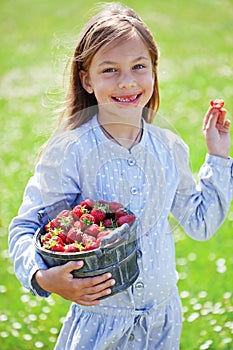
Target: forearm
[(23, 254), (203, 210)]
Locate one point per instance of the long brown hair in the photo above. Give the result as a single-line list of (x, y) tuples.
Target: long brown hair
[(114, 23)]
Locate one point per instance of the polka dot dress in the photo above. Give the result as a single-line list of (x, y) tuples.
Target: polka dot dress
[(153, 179)]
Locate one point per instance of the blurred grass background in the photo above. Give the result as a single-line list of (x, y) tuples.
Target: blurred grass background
[(196, 45)]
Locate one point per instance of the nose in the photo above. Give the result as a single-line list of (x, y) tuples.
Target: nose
[(126, 81)]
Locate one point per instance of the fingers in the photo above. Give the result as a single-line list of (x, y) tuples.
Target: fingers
[(215, 118), (227, 125), (89, 284), (95, 285), (224, 128), (206, 120), (92, 294), (210, 119), (84, 291), (221, 116), (216, 132), (222, 123), (92, 288), (72, 265)]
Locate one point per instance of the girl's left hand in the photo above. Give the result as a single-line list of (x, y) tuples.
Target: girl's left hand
[(216, 131)]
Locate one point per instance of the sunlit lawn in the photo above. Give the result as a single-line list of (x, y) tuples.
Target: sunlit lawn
[(196, 45)]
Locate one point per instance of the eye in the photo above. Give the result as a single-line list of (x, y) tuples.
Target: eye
[(138, 66), (109, 70)]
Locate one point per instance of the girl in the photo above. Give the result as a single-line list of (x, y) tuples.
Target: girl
[(106, 148)]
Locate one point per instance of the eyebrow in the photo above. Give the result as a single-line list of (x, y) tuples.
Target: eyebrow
[(140, 58)]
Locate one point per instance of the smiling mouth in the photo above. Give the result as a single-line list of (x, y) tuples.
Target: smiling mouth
[(126, 99)]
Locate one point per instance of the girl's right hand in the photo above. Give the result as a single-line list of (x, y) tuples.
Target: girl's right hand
[(216, 132), (83, 291)]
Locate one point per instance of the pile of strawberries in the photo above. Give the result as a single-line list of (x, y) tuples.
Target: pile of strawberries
[(83, 228)]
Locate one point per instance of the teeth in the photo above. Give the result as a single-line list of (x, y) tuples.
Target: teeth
[(122, 99)]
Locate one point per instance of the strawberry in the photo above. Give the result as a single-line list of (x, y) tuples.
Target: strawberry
[(217, 103), (87, 219), (89, 242), (109, 223), (63, 235), (91, 246), (87, 239), (46, 238), (73, 248), (93, 230), (55, 244), (60, 233), (103, 234), (126, 219), (57, 247), (99, 211), (114, 206), (66, 221), (74, 235), (51, 225), (78, 211), (64, 213), (79, 225), (98, 214), (121, 212), (88, 203)]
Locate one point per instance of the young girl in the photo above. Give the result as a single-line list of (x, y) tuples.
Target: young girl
[(106, 148)]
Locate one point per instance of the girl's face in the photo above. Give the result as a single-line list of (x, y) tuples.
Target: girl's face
[(121, 77)]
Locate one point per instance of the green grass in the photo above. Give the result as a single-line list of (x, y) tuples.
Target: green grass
[(195, 40)]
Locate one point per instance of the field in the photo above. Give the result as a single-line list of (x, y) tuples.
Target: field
[(196, 44)]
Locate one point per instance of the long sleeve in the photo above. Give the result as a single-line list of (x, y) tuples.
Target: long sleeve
[(52, 188), (201, 209), (21, 232)]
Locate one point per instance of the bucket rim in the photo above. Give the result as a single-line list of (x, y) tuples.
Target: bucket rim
[(125, 229)]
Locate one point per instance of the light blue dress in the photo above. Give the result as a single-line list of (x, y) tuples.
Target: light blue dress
[(153, 179)]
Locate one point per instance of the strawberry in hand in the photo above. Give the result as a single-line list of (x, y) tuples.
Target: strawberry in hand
[(217, 103), (216, 129)]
